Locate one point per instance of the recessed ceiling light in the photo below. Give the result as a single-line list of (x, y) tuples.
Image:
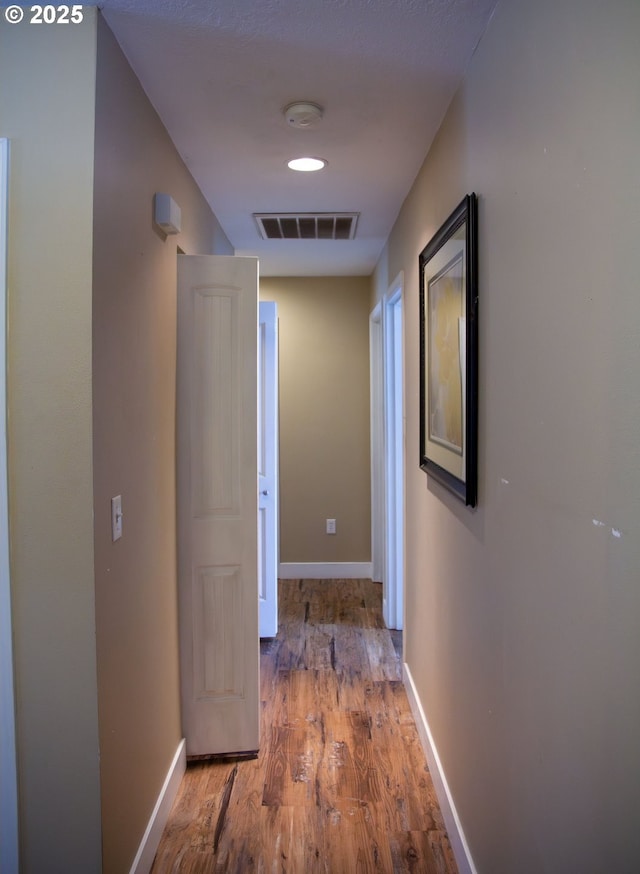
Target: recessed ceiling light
[(307, 165)]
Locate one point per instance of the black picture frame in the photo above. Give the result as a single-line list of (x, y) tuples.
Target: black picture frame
[(448, 268)]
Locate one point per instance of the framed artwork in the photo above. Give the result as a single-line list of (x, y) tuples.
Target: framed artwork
[(449, 353)]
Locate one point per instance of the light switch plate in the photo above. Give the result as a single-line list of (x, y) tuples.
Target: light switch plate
[(116, 518)]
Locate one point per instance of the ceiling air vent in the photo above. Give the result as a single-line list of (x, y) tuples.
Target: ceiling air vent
[(307, 225)]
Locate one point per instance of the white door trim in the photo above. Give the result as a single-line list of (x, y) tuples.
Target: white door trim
[(8, 768), (392, 330), (377, 443)]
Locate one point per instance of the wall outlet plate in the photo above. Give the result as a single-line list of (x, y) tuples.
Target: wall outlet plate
[(331, 526)]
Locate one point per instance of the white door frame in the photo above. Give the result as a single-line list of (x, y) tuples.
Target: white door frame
[(8, 769), (392, 330), (377, 444)]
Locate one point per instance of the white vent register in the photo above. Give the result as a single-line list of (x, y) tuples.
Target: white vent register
[(307, 225)]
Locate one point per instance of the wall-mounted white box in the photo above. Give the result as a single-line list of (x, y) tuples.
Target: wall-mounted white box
[(167, 214)]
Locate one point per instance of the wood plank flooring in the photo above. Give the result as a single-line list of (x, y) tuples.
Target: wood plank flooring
[(341, 784)]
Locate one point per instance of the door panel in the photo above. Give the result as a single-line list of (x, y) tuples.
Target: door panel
[(268, 468), (217, 505)]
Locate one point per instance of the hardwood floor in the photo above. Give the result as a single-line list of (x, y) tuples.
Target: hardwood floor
[(341, 784)]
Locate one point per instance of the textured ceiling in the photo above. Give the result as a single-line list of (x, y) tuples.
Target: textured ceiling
[(220, 72)]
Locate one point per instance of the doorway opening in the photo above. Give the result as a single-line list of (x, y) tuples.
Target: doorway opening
[(376, 376)]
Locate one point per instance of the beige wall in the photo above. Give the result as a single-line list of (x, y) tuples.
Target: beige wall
[(134, 360), (522, 617), (47, 111), (324, 416)]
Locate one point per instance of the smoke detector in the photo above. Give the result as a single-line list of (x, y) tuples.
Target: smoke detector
[(303, 114)]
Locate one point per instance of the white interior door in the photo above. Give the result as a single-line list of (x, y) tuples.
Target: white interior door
[(217, 502), (268, 468), (393, 583)]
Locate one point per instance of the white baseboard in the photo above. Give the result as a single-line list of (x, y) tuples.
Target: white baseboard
[(328, 570), (452, 822), (149, 844)]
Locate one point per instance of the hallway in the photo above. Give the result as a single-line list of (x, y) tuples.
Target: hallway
[(341, 782)]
